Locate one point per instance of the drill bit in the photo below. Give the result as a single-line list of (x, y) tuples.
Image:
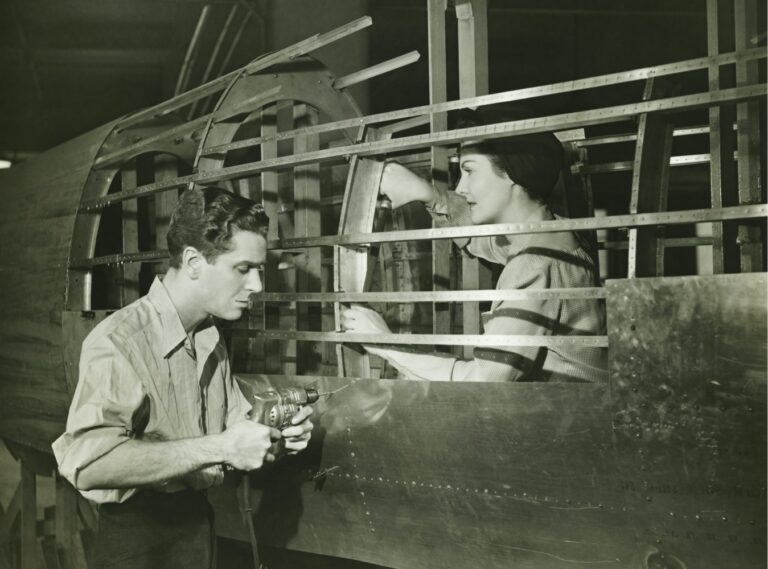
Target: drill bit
[(329, 393)]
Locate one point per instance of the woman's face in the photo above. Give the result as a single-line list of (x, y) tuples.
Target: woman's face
[(488, 193)]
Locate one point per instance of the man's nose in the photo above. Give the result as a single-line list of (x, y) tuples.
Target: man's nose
[(253, 283)]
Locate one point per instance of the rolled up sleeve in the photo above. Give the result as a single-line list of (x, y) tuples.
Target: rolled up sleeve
[(100, 417)]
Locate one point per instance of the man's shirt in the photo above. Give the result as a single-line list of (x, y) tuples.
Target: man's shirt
[(140, 377)]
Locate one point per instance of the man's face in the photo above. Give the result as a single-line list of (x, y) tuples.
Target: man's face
[(230, 278), (488, 193)]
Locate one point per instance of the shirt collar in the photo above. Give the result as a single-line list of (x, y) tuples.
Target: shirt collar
[(513, 244), (173, 331), (206, 335)]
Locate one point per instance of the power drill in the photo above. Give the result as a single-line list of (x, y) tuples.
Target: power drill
[(276, 407)]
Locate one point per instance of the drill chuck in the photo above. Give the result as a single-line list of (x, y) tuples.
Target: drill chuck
[(276, 407)]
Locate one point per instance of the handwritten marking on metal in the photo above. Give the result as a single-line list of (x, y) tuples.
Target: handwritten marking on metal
[(323, 472)]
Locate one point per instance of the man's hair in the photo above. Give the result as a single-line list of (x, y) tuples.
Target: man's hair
[(207, 219), (532, 160)]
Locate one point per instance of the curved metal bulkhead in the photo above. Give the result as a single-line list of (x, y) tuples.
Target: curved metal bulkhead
[(40, 201)]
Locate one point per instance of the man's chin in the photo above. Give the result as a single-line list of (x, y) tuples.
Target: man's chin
[(234, 314)]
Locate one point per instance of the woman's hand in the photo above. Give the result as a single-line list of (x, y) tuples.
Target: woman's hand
[(362, 320), (402, 186)]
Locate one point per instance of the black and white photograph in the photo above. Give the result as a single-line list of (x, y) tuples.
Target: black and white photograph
[(383, 284)]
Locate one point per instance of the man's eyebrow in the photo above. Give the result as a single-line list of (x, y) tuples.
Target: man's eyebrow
[(249, 264)]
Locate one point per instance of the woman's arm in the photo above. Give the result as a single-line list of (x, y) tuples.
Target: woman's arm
[(447, 209), (531, 317), (402, 186), (434, 366)]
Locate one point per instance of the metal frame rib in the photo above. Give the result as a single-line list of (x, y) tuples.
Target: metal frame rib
[(429, 339), (449, 137), (435, 296), (504, 97), (576, 224), (301, 48)]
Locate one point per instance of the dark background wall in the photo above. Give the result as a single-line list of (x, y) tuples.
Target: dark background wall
[(67, 66)]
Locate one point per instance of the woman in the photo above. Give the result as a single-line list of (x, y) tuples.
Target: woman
[(504, 181)]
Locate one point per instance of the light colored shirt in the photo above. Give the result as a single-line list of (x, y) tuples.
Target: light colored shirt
[(140, 377), (535, 261)]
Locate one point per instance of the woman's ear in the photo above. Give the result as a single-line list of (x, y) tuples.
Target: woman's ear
[(519, 191), (191, 262)]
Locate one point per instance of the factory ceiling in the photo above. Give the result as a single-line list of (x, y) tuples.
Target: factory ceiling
[(68, 66)]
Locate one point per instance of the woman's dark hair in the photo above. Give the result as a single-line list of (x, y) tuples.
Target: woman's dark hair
[(532, 160), (207, 218)]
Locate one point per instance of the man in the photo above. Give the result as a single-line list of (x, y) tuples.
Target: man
[(156, 414)]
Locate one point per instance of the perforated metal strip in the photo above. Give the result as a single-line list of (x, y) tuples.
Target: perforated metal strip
[(430, 339), (528, 126), (580, 224)]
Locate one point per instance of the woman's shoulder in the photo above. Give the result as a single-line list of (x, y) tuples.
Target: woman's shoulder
[(558, 266)]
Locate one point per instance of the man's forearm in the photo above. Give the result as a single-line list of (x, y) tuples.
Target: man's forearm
[(144, 463)]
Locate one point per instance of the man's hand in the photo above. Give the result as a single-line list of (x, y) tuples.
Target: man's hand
[(246, 445), (297, 436), (363, 321), (402, 186)]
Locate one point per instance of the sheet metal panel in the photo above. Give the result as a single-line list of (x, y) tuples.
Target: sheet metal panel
[(441, 474), (663, 467), (688, 374), (40, 200)]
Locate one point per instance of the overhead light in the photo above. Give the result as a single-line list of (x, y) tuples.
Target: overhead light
[(5, 164)]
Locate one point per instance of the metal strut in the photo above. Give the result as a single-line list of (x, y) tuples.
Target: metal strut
[(450, 137)]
